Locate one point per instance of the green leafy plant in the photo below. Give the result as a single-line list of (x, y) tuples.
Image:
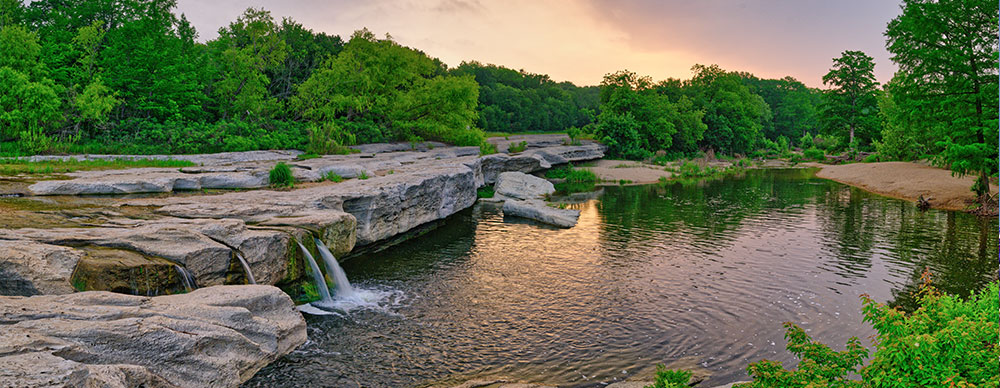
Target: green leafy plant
[(281, 176), (574, 135), (363, 175), (814, 154), (946, 342), (871, 158), (515, 148), (333, 177), (306, 156), (487, 148), (668, 378)]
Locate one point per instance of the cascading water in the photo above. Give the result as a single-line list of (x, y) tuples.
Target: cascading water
[(324, 291), (186, 278), (246, 267), (344, 289)]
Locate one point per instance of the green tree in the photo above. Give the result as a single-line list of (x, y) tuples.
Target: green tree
[(29, 103), (850, 104), (734, 115), (947, 82), (249, 47)]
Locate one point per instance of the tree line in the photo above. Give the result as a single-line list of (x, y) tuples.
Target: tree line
[(941, 104), (131, 76)]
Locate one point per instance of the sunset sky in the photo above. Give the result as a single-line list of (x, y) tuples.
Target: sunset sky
[(580, 41)]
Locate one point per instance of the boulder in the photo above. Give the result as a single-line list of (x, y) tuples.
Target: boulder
[(540, 211), (30, 268), (522, 186), (213, 337)]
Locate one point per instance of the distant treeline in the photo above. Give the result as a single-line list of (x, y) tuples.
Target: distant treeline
[(130, 76)]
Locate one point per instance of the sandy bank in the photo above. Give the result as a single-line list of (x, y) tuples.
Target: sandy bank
[(907, 181), (636, 172)]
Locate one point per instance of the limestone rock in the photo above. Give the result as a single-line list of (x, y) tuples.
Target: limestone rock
[(522, 186), (30, 268), (540, 211), (213, 337)]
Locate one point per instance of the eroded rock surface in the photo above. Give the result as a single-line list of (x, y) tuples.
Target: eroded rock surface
[(540, 211), (523, 186), (212, 337)]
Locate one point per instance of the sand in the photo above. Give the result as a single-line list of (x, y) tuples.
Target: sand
[(908, 181), (636, 172)]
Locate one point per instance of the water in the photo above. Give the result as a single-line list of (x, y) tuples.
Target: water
[(324, 291), (246, 268), (186, 278), (697, 275), (344, 289)]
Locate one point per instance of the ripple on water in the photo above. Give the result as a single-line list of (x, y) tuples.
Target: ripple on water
[(700, 274)]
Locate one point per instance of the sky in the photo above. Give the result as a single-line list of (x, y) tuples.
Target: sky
[(582, 40)]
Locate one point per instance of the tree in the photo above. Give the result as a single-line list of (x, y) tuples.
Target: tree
[(851, 103), (947, 80), (249, 47), (734, 115)]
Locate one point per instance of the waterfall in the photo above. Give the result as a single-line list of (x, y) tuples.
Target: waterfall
[(324, 292), (344, 289), (246, 267), (186, 278)]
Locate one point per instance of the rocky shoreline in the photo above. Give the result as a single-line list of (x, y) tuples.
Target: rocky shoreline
[(56, 277)]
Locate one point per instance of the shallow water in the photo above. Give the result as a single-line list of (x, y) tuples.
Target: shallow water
[(696, 275)]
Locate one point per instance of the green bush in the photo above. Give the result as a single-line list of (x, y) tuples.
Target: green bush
[(871, 158), (574, 135), (667, 378), (333, 177), (814, 154), (946, 342), (281, 176), (487, 148), (577, 175), (806, 141), (363, 175), (515, 148)]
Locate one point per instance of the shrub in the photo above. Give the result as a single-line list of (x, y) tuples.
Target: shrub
[(574, 135), (806, 141), (581, 176), (946, 342), (306, 156), (281, 176), (691, 170), (487, 148), (666, 378), (333, 177), (363, 175), (871, 158), (814, 154), (515, 148)]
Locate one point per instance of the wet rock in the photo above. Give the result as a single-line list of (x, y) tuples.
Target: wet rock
[(30, 268), (104, 269), (212, 337), (540, 211), (522, 186)]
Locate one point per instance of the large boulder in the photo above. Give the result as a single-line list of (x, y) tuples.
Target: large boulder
[(213, 337), (540, 211), (522, 186), (30, 268)]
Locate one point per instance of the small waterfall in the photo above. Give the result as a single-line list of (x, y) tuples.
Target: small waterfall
[(344, 289), (324, 292), (186, 278), (246, 267)]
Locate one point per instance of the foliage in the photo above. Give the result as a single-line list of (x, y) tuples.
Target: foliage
[(734, 115), (946, 342), (516, 101), (871, 158), (333, 177), (486, 148), (947, 83), (814, 154), (281, 176), (574, 135), (667, 378), (514, 148), (580, 175), (851, 105), (363, 175), (806, 141), (24, 166)]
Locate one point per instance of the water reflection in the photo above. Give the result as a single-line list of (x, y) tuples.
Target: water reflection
[(700, 272)]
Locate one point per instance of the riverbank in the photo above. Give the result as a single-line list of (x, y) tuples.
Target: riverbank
[(908, 181)]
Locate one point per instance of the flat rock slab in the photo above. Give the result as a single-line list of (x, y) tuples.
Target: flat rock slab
[(540, 211), (213, 337), (522, 186)]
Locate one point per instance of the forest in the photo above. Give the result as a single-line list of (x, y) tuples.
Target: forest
[(132, 77)]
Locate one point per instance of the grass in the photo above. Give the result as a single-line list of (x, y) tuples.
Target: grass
[(363, 175), (333, 177), (571, 174), (281, 176), (515, 148), (26, 167), (306, 156)]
